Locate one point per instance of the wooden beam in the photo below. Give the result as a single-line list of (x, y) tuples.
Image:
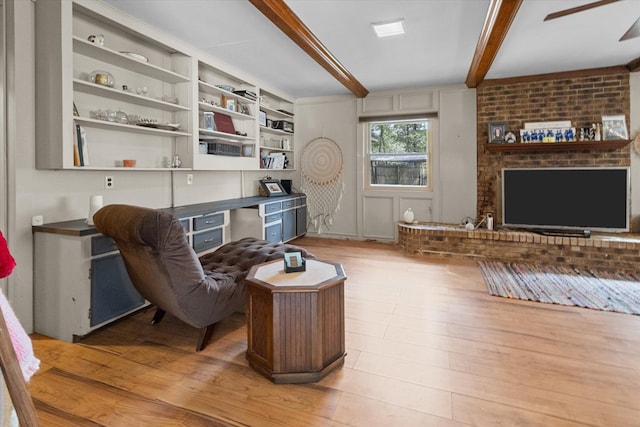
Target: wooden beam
[(633, 65), (283, 17), (496, 25), (578, 9)]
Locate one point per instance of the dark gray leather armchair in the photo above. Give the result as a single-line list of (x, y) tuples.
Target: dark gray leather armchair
[(167, 272)]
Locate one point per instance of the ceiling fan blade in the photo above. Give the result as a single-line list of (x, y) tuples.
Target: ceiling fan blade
[(632, 32), (578, 9)]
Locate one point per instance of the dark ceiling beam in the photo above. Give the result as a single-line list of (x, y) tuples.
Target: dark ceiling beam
[(578, 9), (496, 26), (633, 65), (283, 17)]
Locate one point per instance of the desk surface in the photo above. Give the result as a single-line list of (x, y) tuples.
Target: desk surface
[(79, 227)]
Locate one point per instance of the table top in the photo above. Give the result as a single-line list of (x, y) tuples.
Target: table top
[(318, 274), (79, 227)]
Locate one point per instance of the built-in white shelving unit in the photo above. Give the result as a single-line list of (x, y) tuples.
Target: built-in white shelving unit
[(160, 94)]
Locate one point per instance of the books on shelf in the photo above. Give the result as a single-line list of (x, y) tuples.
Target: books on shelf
[(273, 161), (80, 151)]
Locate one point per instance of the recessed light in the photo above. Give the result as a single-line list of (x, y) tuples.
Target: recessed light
[(389, 28)]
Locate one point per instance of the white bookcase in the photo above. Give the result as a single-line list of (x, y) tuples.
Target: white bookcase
[(276, 108), (153, 87), (217, 94), (164, 87)]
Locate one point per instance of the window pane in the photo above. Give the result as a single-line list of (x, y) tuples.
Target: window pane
[(398, 153)]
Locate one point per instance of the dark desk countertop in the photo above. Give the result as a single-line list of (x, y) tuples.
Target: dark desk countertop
[(79, 227)]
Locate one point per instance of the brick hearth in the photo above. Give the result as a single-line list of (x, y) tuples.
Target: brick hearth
[(614, 252)]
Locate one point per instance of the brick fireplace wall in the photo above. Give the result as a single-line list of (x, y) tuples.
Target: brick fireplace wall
[(581, 97)]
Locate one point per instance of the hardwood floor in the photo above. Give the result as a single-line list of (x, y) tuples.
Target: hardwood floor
[(427, 346)]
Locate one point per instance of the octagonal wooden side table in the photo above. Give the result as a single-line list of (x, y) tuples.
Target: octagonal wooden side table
[(295, 321)]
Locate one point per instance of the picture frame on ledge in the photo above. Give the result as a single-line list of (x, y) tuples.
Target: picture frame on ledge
[(497, 131), (614, 127), (229, 104), (262, 118), (271, 187)]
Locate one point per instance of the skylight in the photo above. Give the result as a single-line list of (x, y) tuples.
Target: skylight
[(389, 28)]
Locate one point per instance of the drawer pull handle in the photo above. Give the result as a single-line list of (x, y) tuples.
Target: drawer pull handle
[(208, 240), (209, 222)]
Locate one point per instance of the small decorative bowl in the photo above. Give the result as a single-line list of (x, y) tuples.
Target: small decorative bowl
[(103, 78)]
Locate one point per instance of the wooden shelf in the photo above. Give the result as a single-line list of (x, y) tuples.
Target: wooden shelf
[(119, 95), (103, 124), (557, 146), (203, 106), (118, 59)]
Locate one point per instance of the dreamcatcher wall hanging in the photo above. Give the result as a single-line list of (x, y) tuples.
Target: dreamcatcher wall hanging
[(322, 181)]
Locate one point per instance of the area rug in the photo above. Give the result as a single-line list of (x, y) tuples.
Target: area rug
[(564, 285)]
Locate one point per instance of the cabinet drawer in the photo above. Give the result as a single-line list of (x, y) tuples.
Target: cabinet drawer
[(207, 240), (272, 207), (273, 218), (208, 221), (288, 204), (301, 201), (273, 233), (102, 244), (185, 225)]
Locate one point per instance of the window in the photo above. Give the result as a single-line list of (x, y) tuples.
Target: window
[(398, 153)]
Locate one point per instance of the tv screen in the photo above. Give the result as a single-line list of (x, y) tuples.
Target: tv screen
[(566, 198)]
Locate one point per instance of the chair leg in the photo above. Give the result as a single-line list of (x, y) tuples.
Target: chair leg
[(158, 316), (205, 336)]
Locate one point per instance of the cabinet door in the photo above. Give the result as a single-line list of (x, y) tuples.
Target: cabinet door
[(288, 225), (301, 221), (112, 293)]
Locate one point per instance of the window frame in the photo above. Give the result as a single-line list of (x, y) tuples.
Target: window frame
[(367, 122)]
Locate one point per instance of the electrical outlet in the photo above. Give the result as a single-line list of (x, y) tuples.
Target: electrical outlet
[(37, 220), (189, 179), (108, 182)]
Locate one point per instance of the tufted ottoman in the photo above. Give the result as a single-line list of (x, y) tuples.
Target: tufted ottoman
[(236, 258)]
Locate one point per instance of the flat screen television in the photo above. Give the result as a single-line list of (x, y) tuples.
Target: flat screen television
[(571, 199)]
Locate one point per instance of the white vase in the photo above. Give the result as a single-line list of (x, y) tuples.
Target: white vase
[(95, 203), (408, 216)]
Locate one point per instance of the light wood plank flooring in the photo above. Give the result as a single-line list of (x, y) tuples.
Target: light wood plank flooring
[(427, 346)]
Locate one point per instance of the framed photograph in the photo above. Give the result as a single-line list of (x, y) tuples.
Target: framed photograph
[(294, 262), (510, 137), (272, 187), (497, 131), (262, 118), (229, 104), (614, 127)]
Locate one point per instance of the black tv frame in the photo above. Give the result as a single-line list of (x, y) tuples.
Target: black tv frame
[(567, 200)]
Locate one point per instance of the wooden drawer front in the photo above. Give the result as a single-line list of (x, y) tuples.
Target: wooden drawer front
[(301, 201), (185, 225), (102, 244), (272, 207), (208, 221), (207, 240), (272, 218), (288, 204)]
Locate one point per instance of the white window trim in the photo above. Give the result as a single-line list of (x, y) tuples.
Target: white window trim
[(367, 154)]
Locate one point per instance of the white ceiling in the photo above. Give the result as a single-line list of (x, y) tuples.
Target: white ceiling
[(437, 49)]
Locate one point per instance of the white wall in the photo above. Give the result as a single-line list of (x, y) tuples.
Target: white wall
[(372, 214)]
